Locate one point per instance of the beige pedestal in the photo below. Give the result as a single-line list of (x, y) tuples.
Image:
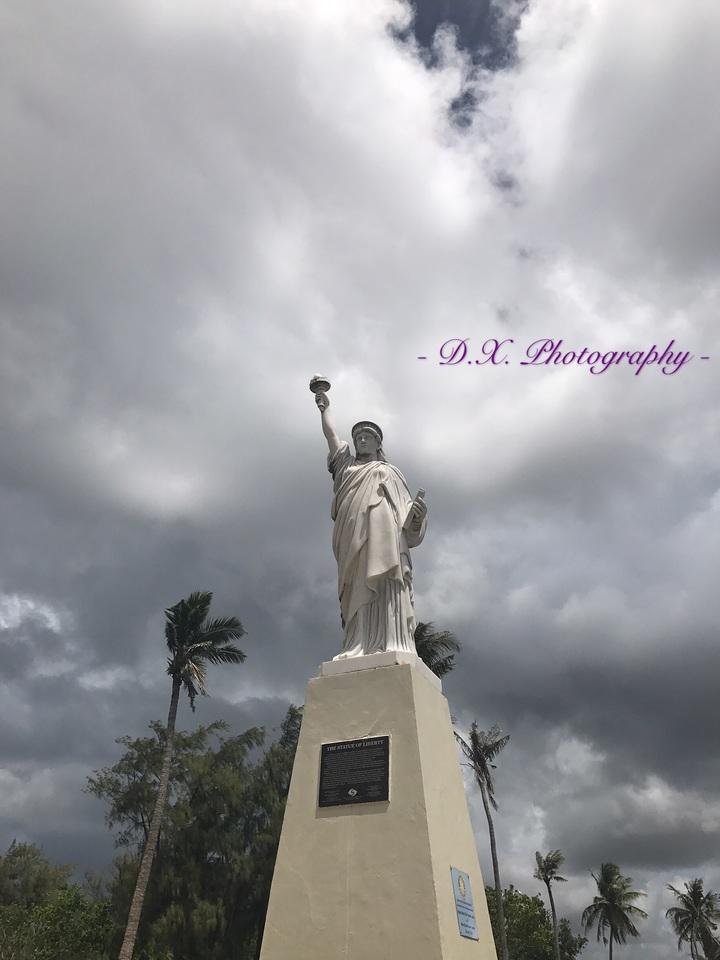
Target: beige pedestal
[(372, 881)]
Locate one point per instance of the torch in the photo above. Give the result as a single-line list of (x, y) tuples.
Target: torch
[(319, 385)]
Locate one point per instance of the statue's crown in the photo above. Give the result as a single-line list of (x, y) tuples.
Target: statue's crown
[(367, 425)]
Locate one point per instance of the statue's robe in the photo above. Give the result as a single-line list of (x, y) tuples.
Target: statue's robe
[(371, 542)]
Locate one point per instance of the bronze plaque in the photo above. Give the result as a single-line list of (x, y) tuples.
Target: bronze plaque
[(354, 771)]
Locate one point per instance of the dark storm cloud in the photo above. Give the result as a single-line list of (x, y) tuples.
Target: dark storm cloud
[(23, 646), (484, 28), (639, 685), (641, 842)]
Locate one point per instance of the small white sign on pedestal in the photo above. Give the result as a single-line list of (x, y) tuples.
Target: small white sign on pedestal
[(467, 924)]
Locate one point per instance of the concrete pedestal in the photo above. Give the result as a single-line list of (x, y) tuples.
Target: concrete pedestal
[(372, 881)]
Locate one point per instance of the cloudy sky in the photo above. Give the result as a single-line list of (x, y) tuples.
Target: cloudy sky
[(203, 204)]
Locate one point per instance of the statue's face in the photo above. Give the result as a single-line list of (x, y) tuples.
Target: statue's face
[(367, 443)]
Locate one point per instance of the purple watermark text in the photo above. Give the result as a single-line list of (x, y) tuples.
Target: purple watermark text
[(547, 352)]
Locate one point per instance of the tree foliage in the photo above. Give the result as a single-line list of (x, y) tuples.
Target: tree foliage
[(27, 877), (42, 915), (529, 929), (208, 893)]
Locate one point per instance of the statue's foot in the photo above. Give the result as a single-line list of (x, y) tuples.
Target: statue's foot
[(349, 655)]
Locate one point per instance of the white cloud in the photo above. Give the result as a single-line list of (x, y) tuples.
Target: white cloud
[(15, 609)]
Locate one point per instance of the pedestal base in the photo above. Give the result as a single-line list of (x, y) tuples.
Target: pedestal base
[(372, 661), (372, 881)]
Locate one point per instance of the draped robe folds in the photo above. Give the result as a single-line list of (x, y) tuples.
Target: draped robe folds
[(372, 547)]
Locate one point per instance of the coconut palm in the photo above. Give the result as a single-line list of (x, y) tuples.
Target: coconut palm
[(613, 908), (481, 748), (547, 871), (436, 648), (193, 641), (695, 920)]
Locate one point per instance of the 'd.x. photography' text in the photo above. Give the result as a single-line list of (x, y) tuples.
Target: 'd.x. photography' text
[(548, 352)]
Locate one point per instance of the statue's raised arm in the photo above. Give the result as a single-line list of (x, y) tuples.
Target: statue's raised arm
[(320, 387), (377, 521)]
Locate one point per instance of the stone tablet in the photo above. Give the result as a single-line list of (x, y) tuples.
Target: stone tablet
[(354, 771)]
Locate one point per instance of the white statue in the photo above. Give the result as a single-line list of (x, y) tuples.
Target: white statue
[(376, 522)]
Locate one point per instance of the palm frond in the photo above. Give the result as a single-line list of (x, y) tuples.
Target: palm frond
[(441, 666), (196, 671), (436, 648), (227, 654), (186, 617), (191, 690), (223, 628), (465, 747), (593, 914), (198, 603), (443, 641)]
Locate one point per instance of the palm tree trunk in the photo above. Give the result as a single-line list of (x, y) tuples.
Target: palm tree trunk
[(710, 946), (133, 921), (556, 941), (611, 940), (496, 871)]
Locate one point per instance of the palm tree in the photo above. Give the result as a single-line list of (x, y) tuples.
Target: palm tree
[(695, 920), (193, 641), (482, 748), (436, 648), (612, 910), (547, 871)]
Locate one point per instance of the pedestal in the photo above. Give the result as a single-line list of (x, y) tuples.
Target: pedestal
[(372, 881)]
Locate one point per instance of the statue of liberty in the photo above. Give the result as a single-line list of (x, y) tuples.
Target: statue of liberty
[(377, 521)]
